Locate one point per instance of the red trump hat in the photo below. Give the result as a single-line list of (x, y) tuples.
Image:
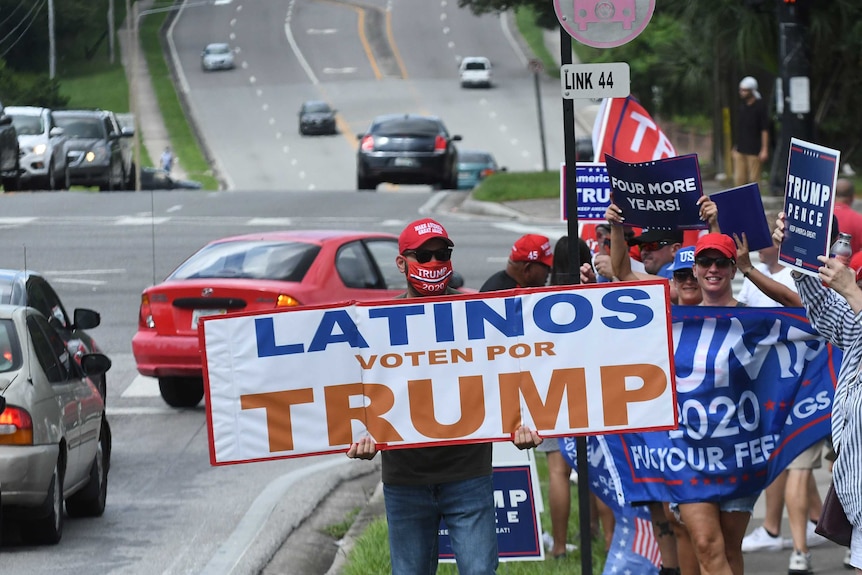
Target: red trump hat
[(419, 232)]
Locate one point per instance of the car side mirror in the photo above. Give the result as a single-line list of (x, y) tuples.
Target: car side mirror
[(95, 364), (56, 131), (86, 318), (127, 132), (503, 169), (2, 403), (5, 120), (456, 138), (456, 281), (360, 136)]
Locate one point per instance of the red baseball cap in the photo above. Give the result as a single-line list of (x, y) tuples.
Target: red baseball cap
[(720, 242), (419, 232), (533, 248)]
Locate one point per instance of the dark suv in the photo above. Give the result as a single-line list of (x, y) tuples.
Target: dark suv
[(10, 168), (99, 151), (407, 149)]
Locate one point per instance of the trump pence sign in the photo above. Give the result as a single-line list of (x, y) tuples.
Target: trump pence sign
[(439, 370)]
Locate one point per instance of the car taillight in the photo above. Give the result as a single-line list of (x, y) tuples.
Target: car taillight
[(486, 172), (439, 144), (367, 144), (286, 301), (145, 317), (16, 427)]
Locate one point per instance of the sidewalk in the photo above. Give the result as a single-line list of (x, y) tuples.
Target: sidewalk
[(153, 132)]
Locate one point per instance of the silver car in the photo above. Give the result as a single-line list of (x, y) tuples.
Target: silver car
[(42, 147), (55, 441), (217, 56)]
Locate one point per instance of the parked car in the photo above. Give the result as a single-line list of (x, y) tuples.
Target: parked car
[(99, 150), (407, 149), (156, 179), (42, 145), (10, 166), (217, 56), (474, 166), (55, 440), (316, 117), (29, 288), (475, 71), (263, 271)]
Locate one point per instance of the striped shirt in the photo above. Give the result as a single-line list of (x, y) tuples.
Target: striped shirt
[(834, 319)]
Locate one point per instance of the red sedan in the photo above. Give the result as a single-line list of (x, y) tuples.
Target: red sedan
[(254, 272)]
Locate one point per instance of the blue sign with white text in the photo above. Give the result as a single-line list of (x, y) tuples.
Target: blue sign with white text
[(518, 529), (594, 192), (809, 199), (662, 194)]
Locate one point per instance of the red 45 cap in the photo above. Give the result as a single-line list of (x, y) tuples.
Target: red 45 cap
[(533, 248)]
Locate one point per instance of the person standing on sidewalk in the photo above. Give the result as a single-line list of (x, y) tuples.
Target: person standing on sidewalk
[(423, 485), (529, 265), (751, 134)]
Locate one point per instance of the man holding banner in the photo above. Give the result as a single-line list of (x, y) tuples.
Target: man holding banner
[(421, 486)]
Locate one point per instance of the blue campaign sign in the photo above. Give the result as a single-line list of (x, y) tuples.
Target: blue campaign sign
[(519, 533), (594, 192), (662, 194), (809, 200), (740, 210)]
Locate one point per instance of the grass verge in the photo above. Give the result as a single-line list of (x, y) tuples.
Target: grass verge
[(525, 18), (339, 530), (183, 140), (508, 186)]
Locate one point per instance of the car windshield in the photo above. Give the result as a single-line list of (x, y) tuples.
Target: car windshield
[(27, 125), (220, 49), (10, 350), (408, 126), (250, 259), (79, 127), (316, 107)]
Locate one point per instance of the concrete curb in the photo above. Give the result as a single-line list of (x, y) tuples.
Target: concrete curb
[(373, 509)]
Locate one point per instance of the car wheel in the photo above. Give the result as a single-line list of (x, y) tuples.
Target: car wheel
[(64, 182), (108, 184), (365, 183), (12, 184), (181, 391), (90, 501), (130, 178), (48, 529), (50, 180)]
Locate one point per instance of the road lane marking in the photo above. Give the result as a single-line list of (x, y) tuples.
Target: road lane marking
[(142, 221), (391, 38), (288, 32), (142, 386)]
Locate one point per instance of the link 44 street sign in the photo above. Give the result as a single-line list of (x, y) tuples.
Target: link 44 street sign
[(595, 80)]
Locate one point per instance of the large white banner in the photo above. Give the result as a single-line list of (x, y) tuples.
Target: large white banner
[(570, 360)]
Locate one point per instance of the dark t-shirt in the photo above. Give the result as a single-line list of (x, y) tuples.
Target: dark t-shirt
[(429, 465), (499, 281), (751, 121)]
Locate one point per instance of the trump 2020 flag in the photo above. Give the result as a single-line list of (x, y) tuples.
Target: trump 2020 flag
[(625, 130), (754, 388)]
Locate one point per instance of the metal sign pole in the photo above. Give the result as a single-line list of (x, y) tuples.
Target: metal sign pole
[(571, 200)]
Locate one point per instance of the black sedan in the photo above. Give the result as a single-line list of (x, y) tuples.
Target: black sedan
[(316, 117), (407, 149)]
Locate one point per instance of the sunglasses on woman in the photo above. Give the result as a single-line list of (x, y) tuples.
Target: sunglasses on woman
[(683, 276), (424, 256), (653, 246), (707, 262)]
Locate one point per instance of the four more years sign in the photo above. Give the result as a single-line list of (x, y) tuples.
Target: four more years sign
[(439, 370)]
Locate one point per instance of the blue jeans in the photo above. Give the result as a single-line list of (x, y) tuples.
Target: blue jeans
[(414, 511)]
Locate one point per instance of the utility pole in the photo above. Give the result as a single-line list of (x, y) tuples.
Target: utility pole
[(52, 50), (793, 93), (111, 50)]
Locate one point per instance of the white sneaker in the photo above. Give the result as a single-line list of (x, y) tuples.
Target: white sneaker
[(800, 563), (573, 477), (761, 540), (813, 539), (847, 564)]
